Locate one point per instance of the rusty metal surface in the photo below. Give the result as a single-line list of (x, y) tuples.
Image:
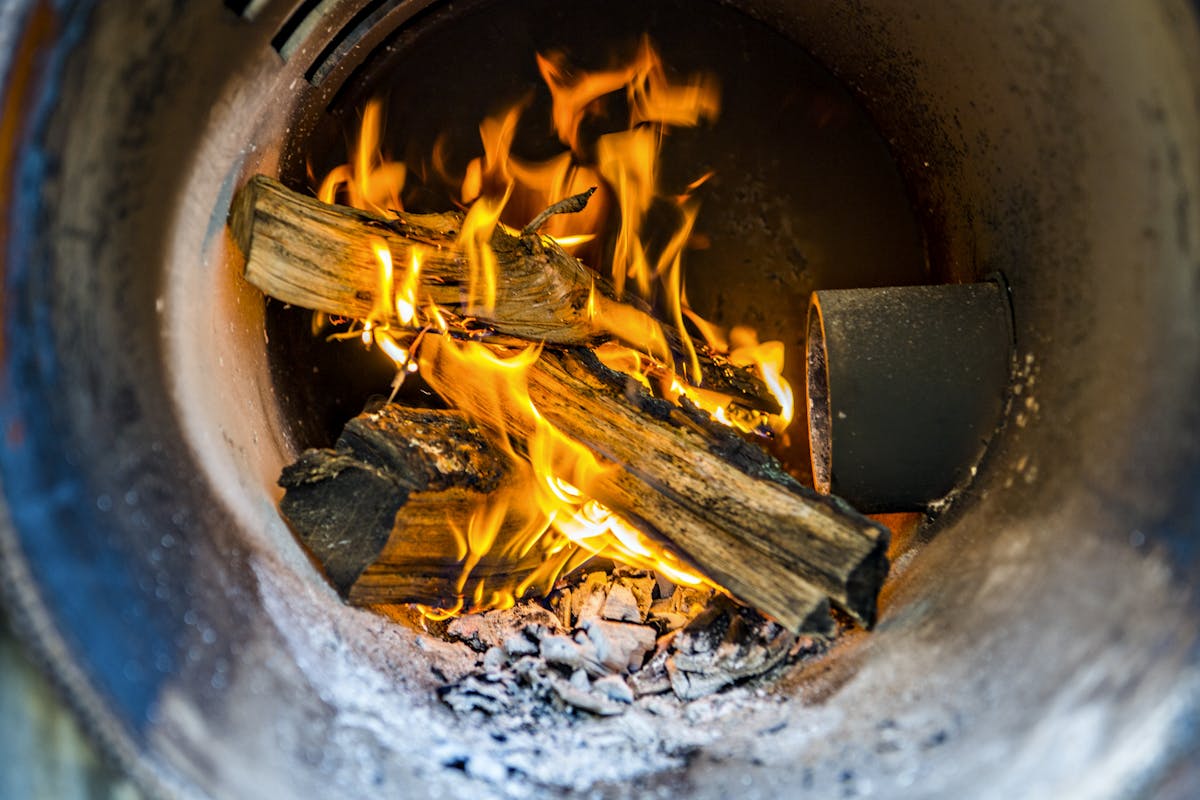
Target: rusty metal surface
[(1040, 640)]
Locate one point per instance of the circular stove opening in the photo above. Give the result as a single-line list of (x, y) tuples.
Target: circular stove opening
[(1038, 137)]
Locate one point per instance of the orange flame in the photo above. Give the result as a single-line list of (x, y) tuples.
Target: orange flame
[(475, 239), (406, 295), (768, 358), (370, 182), (547, 506), (628, 161), (551, 474)]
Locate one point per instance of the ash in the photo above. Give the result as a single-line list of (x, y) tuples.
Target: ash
[(609, 642), (434, 709)]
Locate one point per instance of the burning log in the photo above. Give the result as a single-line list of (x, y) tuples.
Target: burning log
[(436, 468), (724, 503), (304, 252)]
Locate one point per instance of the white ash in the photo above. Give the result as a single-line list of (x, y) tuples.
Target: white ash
[(610, 644), (383, 688)]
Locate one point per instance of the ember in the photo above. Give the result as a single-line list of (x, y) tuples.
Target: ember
[(580, 426)]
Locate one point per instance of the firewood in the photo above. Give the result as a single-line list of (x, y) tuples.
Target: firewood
[(302, 251), (317, 256), (721, 503), (724, 504), (379, 512)]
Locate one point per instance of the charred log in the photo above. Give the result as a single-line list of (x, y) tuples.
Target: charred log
[(723, 503), (318, 256), (384, 513)]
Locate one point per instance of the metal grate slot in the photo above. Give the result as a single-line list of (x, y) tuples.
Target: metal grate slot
[(299, 24), (351, 34), (421, 14)]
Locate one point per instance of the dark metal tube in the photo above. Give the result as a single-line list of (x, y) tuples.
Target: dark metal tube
[(905, 387)]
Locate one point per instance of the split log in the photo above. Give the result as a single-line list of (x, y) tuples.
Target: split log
[(305, 252), (318, 256), (380, 512), (725, 505)]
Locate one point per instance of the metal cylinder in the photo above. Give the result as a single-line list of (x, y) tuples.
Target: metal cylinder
[(905, 386)]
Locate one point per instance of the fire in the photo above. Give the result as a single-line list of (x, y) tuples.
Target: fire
[(550, 474), (370, 182), (768, 358), (406, 295), (474, 238), (548, 505), (376, 328)]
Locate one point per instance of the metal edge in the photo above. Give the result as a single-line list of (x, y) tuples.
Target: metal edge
[(42, 32)]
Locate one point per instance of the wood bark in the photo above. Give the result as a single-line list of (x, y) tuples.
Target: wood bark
[(318, 256), (725, 505)]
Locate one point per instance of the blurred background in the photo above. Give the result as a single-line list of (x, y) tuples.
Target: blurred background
[(45, 754)]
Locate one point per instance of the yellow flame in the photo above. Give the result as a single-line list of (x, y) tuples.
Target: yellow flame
[(377, 326), (406, 295), (670, 266), (631, 326), (768, 359), (654, 98), (629, 162), (381, 308), (573, 95), (490, 174), (475, 239), (550, 508), (556, 475), (391, 347), (371, 181), (567, 242), (714, 337)]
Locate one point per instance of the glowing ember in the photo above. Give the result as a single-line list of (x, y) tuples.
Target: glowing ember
[(546, 505)]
